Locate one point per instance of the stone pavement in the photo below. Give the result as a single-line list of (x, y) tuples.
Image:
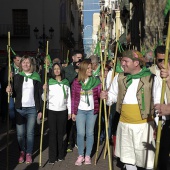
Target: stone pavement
[(67, 164)]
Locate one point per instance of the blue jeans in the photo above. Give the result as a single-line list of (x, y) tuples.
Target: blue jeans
[(26, 129), (85, 121)]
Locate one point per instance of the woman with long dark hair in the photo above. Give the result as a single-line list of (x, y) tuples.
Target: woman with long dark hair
[(59, 110)]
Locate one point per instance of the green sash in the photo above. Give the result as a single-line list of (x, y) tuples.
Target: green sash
[(63, 82), (92, 82), (143, 73), (33, 76)]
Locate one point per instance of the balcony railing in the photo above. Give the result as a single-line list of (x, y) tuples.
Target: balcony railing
[(15, 31)]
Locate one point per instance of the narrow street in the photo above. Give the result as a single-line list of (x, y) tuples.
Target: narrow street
[(67, 164)]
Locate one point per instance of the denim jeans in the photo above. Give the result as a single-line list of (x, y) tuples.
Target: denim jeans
[(26, 129), (85, 121)]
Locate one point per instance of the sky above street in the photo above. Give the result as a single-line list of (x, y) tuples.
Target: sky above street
[(90, 7)]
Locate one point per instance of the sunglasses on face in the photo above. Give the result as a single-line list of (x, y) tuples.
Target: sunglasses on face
[(160, 60)]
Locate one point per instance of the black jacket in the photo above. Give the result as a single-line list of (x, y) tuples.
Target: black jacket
[(17, 92), (70, 73)]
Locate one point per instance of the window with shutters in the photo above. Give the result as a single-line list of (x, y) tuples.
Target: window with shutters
[(20, 22)]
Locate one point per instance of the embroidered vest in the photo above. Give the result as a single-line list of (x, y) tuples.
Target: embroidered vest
[(144, 86)]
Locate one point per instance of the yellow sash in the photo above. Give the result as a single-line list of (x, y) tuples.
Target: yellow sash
[(130, 113)]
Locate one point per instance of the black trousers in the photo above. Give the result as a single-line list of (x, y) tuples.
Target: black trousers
[(57, 129), (164, 146)]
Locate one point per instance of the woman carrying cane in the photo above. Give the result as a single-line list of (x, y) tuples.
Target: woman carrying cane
[(84, 108), (27, 91), (59, 110)]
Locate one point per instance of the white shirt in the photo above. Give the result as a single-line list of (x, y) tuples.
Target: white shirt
[(157, 72), (83, 105), (56, 100), (109, 78), (130, 97), (28, 93)]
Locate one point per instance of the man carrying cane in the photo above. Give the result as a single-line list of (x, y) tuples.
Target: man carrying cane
[(165, 132), (135, 91)]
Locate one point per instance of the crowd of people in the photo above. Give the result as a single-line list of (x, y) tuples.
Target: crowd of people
[(72, 99)]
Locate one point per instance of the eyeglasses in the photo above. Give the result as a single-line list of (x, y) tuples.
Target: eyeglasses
[(160, 60)]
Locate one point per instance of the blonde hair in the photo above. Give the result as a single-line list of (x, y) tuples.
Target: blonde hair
[(82, 70), (32, 62)]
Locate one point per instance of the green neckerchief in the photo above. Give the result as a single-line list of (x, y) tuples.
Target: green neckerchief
[(63, 82), (16, 70), (33, 76), (91, 83), (143, 73), (96, 73)]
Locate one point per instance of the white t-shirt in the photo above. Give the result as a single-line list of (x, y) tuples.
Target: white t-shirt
[(56, 100), (28, 93), (83, 105), (130, 97)]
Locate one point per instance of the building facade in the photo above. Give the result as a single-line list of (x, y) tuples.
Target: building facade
[(31, 23)]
